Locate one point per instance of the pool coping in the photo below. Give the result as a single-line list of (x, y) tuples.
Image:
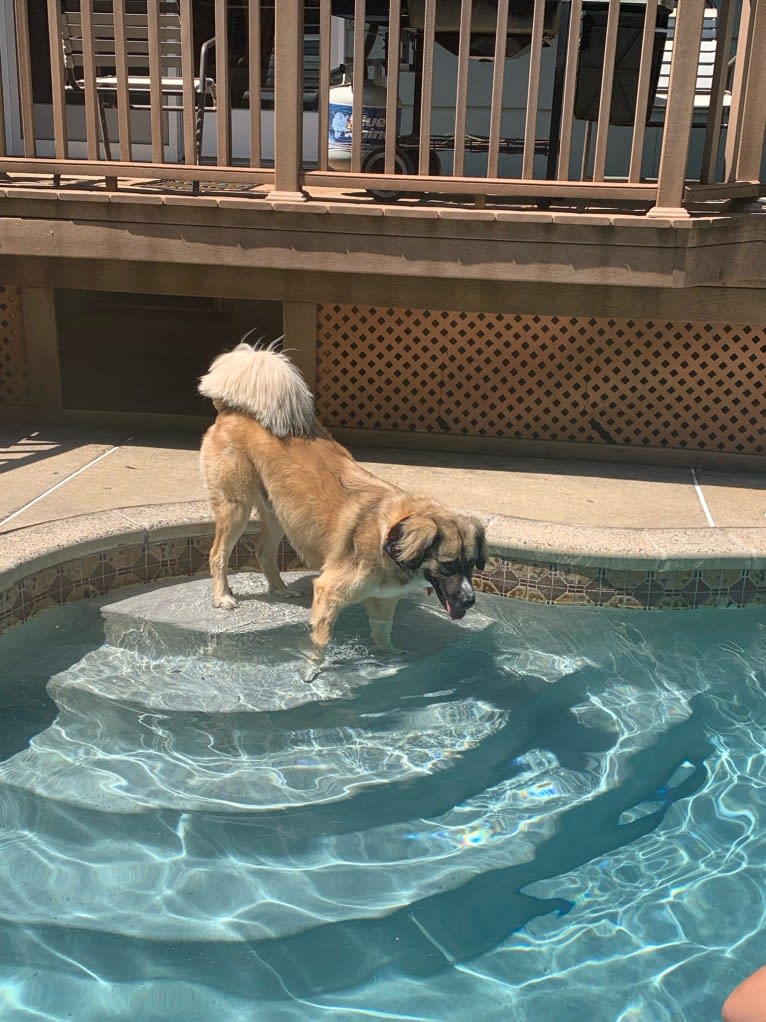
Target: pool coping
[(685, 568)]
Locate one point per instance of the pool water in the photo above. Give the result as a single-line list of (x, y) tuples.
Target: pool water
[(541, 813)]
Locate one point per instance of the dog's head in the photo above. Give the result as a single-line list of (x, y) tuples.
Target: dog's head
[(445, 548)]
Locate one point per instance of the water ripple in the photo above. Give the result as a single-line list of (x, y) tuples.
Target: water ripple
[(542, 814)]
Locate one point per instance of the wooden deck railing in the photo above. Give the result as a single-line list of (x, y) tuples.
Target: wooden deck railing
[(561, 151)]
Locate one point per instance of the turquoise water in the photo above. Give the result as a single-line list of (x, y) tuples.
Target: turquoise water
[(543, 813)]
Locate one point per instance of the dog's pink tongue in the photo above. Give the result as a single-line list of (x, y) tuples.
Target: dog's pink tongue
[(448, 606)]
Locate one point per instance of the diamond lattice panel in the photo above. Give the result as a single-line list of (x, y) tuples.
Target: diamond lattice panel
[(13, 367), (632, 382)]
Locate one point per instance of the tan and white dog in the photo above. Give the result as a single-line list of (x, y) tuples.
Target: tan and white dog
[(370, 541)]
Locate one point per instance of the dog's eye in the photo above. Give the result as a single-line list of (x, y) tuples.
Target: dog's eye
[(449, 569)]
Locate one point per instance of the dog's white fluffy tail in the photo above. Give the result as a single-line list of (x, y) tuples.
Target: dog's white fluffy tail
[(264, 384)]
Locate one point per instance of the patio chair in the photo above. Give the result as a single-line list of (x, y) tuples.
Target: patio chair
[(136, 19), (705, 72)]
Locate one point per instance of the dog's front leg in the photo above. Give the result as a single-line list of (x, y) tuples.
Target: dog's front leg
[(333, 590), (323, 615), (380, 612)]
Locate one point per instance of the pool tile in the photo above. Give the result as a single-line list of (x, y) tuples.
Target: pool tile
[(575, 578), (599, 591), (676, 580), (743, 591), (77, 590), (626, 601), (731, 577), (673, 602), (552, 586), (244, 556), (579, 599), (287, 559), (193, 556), (529, 592)]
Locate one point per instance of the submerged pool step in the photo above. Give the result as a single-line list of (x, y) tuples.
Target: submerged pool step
[(187, 877), (212, 876), (195, 732), (179, 618)]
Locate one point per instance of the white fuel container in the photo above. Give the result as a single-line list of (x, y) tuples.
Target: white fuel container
[(373, 117)]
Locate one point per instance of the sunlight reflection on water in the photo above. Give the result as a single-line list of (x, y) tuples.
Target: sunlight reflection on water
[(543, 813)]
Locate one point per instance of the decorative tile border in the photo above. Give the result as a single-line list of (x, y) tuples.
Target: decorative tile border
[(97, 574), (641, 589), (551, 582)]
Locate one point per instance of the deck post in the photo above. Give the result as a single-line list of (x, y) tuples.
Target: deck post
[(299, 321), (679, 110), (38, 310), (288, 102)]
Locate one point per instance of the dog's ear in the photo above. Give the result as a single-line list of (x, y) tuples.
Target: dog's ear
[(481, 548), (409, 541)]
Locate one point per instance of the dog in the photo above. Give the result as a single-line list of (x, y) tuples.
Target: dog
[(370, 541)]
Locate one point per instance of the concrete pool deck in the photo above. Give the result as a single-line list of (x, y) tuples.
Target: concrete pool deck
[(78, 491)]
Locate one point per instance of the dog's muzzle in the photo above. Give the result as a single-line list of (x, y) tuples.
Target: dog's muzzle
[(458, 602), (462, 602)]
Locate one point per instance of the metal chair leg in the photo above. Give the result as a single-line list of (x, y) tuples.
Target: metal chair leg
[(104, 129)]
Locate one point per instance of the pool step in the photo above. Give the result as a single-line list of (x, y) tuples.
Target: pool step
[(195, 877), (147, 726), (179, 618)]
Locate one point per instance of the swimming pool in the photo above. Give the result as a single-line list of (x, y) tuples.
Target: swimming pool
[(543, 813)]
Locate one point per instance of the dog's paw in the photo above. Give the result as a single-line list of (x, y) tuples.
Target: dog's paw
[(284, 593), (311, 673), (389, 649), (226, 602)]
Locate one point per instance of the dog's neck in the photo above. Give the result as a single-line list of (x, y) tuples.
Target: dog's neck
[(391, 543)]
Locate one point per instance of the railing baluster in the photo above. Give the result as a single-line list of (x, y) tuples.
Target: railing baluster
[(2, 114), (426, 96), (89, 76), (121, 72), (718, 88), (392, 83), (155, 80), (223, 92), (736, 125), (642, 90), (498, 77), (746, 157), (188, 97), (461, 92), (323, 119), (533, 90), (58, 94), (255, 74), (24, 64), (568, 96), (680, 109), (358, 75), (607, 82)]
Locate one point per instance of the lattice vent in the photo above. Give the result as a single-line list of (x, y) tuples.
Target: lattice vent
[(13, 363), (623, 381)]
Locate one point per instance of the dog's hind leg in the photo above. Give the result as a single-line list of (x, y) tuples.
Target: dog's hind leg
[(380, 612), (231, 518), (267, 546)]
